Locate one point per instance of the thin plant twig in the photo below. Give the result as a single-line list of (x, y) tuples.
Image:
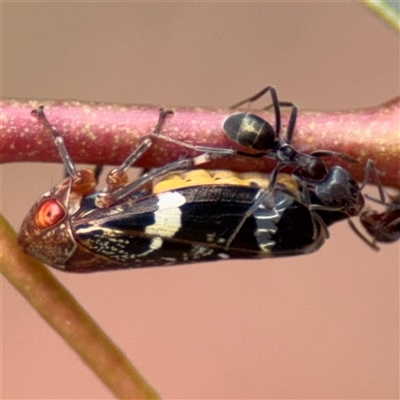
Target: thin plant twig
[(64, 314)]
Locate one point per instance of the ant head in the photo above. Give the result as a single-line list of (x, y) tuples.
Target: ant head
[(383, 227), (340, 190), (251, 131)]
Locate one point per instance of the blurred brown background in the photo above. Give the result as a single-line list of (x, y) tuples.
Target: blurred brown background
[(318, 326)]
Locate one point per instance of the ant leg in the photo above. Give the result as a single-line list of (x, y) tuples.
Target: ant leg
[(292, 120), (219, 152), (370, 243), (201, 149), (328, 153), (275, 104), (274, 176), (314, 216), (261, 197), (390, 205), (370, 168), (267, 195)]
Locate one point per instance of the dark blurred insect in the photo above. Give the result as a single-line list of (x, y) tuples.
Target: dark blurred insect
[(155, 221), (383, 227)]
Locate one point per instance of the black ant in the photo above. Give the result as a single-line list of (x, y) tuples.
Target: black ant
[(252, 131), (383, 226)]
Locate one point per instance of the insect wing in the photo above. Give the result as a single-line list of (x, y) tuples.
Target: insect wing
[(192, 225)]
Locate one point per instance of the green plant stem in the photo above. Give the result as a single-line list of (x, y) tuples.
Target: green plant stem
[(387, 10), (63, 313)]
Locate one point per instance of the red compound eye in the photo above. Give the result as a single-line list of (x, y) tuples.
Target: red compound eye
[(49, 214)]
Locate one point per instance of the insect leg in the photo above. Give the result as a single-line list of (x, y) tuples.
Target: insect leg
[(267, 196), (328, 153), (314, 216), (275, 104), (292, 120), (117, 177), (84, 181), (369, 168), (370, 243), (262, 194), (58, 140), (108, 198), (201, 149)]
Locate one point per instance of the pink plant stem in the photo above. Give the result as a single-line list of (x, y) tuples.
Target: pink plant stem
[(99, 133)]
